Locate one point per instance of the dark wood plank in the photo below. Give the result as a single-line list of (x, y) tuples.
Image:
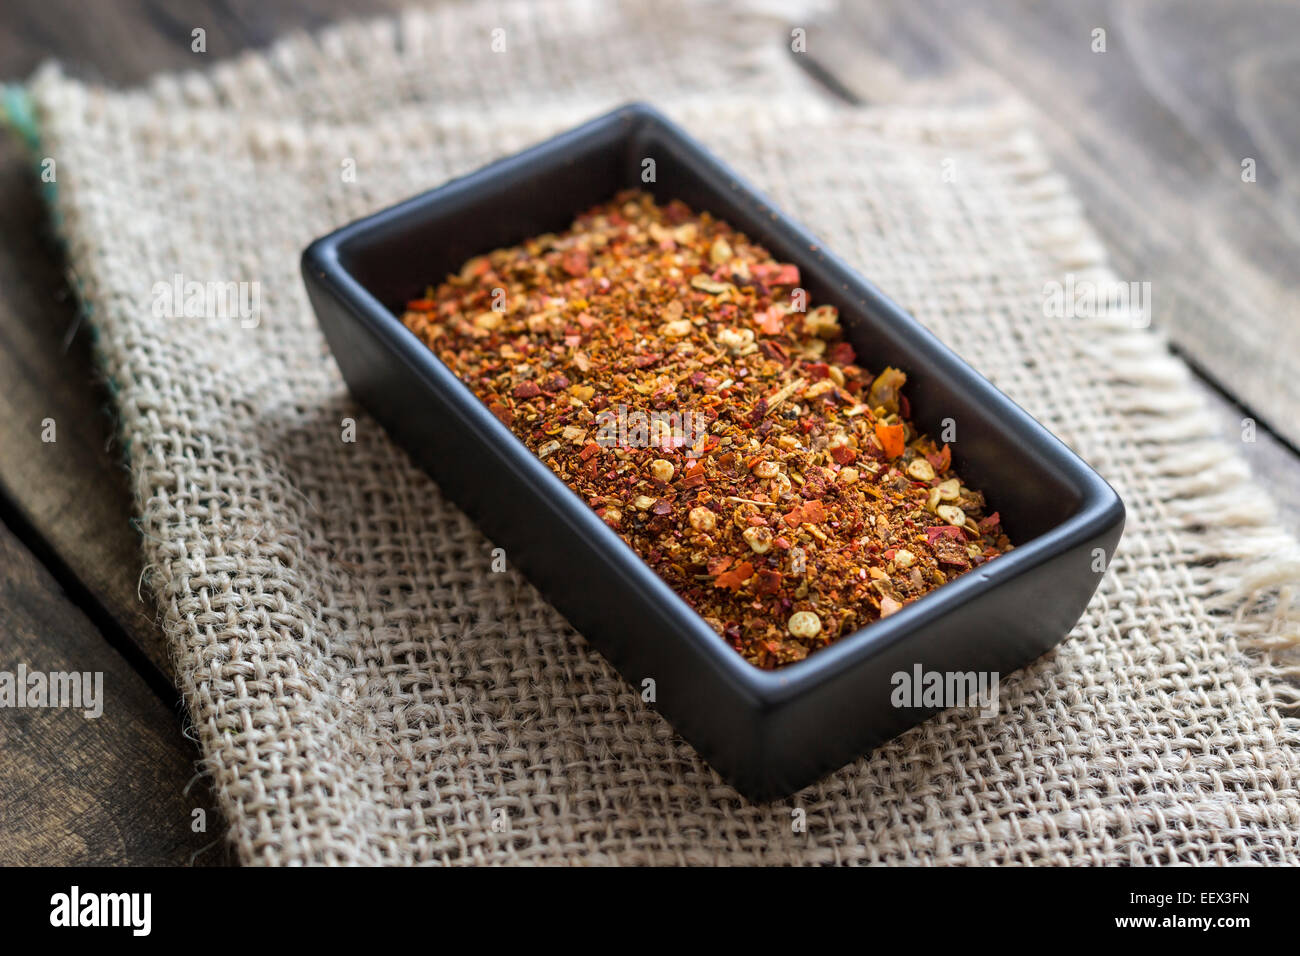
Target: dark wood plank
[(74, 492), (79, 790), (124, 42), (1272, 462), (1152, 133)]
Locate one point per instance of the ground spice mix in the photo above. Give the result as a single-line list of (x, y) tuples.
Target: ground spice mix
[(676, 377)]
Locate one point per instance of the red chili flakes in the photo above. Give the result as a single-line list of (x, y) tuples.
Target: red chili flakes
[(814, 512), (941, 461), (781, 514), (774, 273), (736, 577), (891, 438), (947, 550), (936, 532), (772, 322), (841, 353), (575, 263)]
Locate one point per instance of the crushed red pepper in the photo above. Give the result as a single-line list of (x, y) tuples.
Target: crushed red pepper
[(773, 481)]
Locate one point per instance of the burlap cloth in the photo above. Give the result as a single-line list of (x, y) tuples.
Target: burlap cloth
[(365, 690)]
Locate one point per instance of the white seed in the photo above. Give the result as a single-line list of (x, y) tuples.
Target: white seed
[(949, 490), (804, 624), (643, 502), (849, 476), (889, 605), (823, 321), (758, 538), (766, 469), (676, 329), (662, 469), (819, 388), (711, 286), (720, 251), (920, 469), (734, 340), (702, 519), (487, 320), (952, 514), (549, 448), (904, 558)]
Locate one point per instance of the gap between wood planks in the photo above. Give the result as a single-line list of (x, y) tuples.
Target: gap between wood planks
[(919, 62)]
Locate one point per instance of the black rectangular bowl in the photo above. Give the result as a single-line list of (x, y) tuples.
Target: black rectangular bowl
[(768, 732)]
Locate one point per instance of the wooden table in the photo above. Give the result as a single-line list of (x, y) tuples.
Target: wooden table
[(1147, 126)]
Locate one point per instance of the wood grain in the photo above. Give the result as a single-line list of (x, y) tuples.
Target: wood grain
[(1152, 133), (124, 42), (77, 790), (72, 490)]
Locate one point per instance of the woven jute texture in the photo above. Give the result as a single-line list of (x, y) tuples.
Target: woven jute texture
[(366, 690)]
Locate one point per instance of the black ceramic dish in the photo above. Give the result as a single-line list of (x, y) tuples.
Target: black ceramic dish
[(769, 733)]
